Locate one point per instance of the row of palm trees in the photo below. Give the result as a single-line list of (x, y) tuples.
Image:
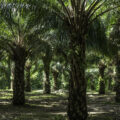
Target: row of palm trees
[(25, 26)]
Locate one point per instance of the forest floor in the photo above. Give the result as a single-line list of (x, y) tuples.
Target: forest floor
[(54, 107)]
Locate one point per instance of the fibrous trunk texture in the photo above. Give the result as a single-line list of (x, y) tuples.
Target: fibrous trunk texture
[(46, 84), (18, 85), (9, 73), (12, 75), (102, 87), (77, 107), (55, 76), (110, 77), (28, 83)]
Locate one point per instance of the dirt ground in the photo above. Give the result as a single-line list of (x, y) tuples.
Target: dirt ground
[(54, 107)]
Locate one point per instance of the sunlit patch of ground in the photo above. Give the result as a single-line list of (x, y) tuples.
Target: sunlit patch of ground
[(53, 107), (103, 107)]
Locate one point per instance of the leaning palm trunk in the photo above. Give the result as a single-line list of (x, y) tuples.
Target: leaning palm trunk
[(77, 108), (18, 85), (117, 88)]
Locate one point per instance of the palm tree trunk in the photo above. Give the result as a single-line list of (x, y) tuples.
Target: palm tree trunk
[(18, 85), (46, 82), (102, 81), (55, 76), (110, 84), (101, 86), (9, 73), (92, 85), (77, 107), (28, 83), (12, 75), (110, 71), (117, 88)]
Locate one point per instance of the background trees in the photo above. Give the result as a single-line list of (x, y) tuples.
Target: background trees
[(37, 34)]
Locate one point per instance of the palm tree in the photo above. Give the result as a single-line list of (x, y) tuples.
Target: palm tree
[(77, 16), (20, 21), (115, 35)]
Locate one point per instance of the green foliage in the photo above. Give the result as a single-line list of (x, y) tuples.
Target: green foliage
[(43, 27), (92, 76)]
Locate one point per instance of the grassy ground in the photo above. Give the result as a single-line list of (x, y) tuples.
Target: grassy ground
[(54, 107)]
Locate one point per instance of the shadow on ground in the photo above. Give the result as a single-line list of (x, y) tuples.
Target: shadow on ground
[(52, 107)]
